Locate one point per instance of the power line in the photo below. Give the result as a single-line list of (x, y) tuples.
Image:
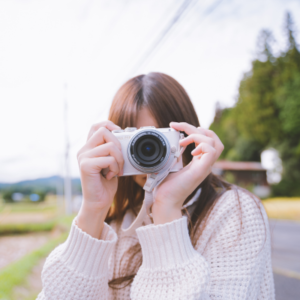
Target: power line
[(182, 9), (208, 11), (194, 26)]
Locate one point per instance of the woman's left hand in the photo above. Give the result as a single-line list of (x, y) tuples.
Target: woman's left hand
[(172, 192)]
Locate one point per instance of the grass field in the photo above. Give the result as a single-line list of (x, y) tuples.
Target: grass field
[(30, 217), (49, 205), (16, 273), (26, 217)]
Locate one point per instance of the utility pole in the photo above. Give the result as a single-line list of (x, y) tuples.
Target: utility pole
[(67, 179)]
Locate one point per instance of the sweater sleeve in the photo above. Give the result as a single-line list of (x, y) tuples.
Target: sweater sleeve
[(78, 268), (236, 243), (232, 260), (171, 268)]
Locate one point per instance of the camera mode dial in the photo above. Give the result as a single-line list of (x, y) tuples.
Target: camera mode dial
[(129, 129), (117, 131)]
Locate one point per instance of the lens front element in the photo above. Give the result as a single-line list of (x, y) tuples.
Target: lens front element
[(148, 150)]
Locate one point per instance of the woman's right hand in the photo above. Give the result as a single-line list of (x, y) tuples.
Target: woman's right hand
[(101, 151)]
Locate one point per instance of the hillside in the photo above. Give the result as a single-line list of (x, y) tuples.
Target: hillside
[(54, 184)]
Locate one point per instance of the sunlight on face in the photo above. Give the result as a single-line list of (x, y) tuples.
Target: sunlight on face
[(144, 119)]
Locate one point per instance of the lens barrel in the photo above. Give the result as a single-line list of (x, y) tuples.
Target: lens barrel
[(148, 150)]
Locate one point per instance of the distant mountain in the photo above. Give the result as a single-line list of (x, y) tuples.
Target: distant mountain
[(50, 184)]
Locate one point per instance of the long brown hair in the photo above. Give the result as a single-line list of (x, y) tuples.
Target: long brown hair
[(167, 101)]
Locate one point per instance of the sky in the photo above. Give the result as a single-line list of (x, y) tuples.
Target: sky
[(80, 52)]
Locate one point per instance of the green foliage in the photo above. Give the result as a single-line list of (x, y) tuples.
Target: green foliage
[(229, 177), (256, 113), (48, 206), (244, 150), (285, 188), (7, 196), (290, 32), (267, 111), (288, 99), (224, 126), (42, 196), (17, 228), (26, 227), (236, 146)]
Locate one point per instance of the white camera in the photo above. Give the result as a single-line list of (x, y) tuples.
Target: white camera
[(149, 149)]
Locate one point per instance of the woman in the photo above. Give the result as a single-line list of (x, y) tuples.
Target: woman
[(207, 239)]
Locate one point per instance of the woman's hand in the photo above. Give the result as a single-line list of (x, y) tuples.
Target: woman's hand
[(102, 150), (172, 192)]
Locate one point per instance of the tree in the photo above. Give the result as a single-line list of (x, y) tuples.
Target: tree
[(224, 126), (267, 111), (256, 112)]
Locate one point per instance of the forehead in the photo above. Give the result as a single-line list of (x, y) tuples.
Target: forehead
[(144, 118)]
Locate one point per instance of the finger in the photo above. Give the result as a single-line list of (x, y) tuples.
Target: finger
[(218, 144), (204, 158), (197, 138), (105, 150), (96, 164), (183, 126), (107, 124), (204, 148), (202, 130), (100, 137)]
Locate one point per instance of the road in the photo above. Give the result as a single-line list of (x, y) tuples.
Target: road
[(285, 237), (14, 247)]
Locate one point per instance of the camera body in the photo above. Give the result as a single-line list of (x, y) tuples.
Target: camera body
[(148, 149)]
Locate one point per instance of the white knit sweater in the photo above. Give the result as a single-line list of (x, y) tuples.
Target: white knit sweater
[(232, 259)]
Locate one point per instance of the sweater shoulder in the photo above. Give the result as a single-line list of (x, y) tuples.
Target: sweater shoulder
[(238, 202), (236, 216)]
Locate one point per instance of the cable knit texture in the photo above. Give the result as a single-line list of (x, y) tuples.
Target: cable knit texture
[(231, 260)]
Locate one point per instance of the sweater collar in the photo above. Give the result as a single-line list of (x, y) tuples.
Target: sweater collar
[(193, 199)]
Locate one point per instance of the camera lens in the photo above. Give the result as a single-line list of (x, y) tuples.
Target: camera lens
[(148, 150)]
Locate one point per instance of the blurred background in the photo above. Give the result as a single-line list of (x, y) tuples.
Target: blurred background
[(61, 62)]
